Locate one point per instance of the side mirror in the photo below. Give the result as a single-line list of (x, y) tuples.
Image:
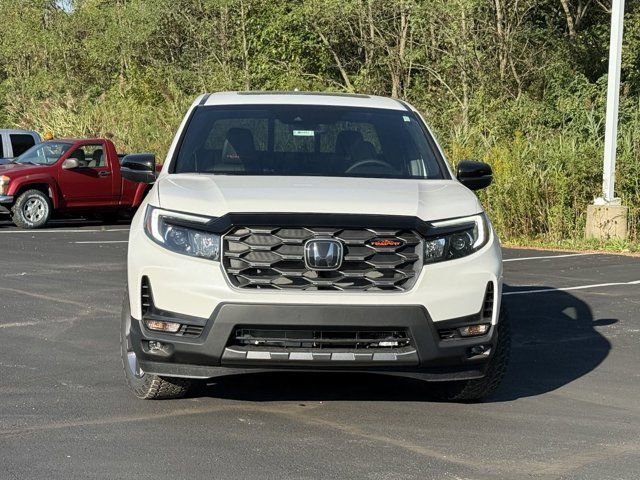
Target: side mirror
[(70, 163), (139, 167), (474, 175)]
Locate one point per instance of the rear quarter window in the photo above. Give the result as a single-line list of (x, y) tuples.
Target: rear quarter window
[(21, 143)]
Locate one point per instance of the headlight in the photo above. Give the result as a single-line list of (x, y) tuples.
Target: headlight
[(460, 237), (179, 233), (4, 184)]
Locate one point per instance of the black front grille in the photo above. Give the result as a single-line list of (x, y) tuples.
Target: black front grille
[(273, 258), (321, 338)]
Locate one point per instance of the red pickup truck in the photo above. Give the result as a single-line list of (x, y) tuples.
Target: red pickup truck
[(68, 177)]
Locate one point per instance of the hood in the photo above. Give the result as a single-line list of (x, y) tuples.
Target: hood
[(15, 169), (217, 195)]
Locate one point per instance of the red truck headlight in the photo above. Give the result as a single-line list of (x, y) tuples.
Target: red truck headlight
[(4, 184)]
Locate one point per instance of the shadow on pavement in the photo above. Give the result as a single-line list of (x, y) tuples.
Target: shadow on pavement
[(554, 343)]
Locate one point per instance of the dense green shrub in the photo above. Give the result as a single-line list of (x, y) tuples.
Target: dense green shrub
[(509, 82)]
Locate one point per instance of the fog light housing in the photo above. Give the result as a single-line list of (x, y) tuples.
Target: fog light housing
[(154, 347), (474, 330), (482, 351), (160, 326)]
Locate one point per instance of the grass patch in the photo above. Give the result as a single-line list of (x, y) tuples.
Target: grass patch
[(577, 245)]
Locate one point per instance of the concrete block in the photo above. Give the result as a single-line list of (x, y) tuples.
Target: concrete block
[(606, 222)]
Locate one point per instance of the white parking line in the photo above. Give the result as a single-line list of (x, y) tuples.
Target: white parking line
[(104, 241), (57, 299), (547, 256), (31, 323), (60, 230), (565, 289)]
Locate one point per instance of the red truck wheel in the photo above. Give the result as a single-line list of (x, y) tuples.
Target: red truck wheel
[(32, 209)]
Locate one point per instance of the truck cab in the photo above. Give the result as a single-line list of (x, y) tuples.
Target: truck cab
[(67, 176)]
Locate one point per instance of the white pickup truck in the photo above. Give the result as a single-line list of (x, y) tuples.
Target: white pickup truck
[(14, 143), (315, 232)]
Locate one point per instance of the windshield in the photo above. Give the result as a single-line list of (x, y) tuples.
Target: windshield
[(307, 141), (46, 153)]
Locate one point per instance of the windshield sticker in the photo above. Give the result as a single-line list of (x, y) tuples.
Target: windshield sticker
[(405, 118), (303, 133)]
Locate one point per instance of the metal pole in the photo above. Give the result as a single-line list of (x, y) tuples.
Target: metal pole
[(613, 95)]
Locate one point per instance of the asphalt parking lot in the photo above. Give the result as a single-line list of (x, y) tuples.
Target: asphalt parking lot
[(568, 409)]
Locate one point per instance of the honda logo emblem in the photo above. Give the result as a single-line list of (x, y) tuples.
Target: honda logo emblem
[(323, 254)]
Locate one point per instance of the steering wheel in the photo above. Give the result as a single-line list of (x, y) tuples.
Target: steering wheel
[(369, 161)]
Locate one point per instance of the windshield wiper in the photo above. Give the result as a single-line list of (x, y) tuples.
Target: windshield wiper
[(29, 162)]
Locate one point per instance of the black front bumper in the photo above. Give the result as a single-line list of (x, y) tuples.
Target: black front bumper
[(210, 354), (5, 203)]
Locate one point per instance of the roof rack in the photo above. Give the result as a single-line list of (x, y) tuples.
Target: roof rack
[(330, 94)]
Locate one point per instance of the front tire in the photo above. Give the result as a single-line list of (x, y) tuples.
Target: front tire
[(144, 385), (31, 210), (478, 389)]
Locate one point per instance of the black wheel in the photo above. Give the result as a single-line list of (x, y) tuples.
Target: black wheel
[(32, 209), (477, 389), (144, 385)]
